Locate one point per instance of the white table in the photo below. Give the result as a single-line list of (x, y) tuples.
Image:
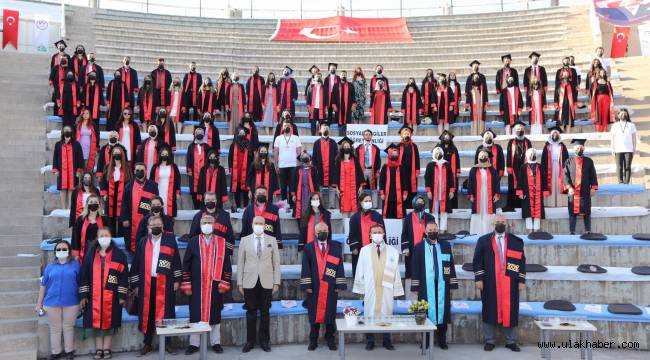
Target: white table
[(584, 329), (194, 328), (398, 324)]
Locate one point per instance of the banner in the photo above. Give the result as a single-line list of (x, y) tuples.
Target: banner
[(619, 41), (10, 28), (41, 33), (623, 12), (379, 134), (343, 29)]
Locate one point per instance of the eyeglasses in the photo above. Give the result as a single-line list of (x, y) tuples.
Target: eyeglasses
[(127, 114), (61, 249)]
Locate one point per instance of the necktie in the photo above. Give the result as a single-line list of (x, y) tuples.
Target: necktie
[(499, 238), (378, 250), (367, 156), (259, 247), (322, 248)]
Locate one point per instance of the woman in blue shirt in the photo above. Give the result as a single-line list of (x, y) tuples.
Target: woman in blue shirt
[(58, 295)]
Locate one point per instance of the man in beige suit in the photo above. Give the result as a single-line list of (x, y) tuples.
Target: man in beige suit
[(258, 278)]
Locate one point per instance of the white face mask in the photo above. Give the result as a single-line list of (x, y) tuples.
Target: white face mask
[(62, 254), (104, 242), (207, 228), (377, 238), (315, 203), (366, 205), (258, 229)]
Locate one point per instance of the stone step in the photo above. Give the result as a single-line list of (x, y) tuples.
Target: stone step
[(19, 284), (18, 340), (17, 297), (8, 262), (19, 355), (8, 326), (9, 240), (17, 311), (9, 250), (16, 273)]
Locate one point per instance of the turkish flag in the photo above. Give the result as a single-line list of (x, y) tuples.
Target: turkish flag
[(10, 31), (619, 41), (343, 29)]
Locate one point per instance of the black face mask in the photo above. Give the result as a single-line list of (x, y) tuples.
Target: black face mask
[(93, 207), (305, 160), (432, 235), (212, 161), (127, 62), (483, 159), (520, 133), (117, 76), (69, 77), (162, 115), (488, 141), (92, 77), (263, 155), (87, 182), (161, 66), (407, 138), (346, 150), (500, 228), (156, 209), (394, 157), (139, 174), (418, 207), (164, 157), (156, 230), (211, 205), (580, 152), (379, 71), (80, 51), (67, 133), (533, 158), (321, 236), (261, 199), (117, 157), (287, 130), (446, 141), (199, 137), (555, 137), (152, 134), (326, 133)]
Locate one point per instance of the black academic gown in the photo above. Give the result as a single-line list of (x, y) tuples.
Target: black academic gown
[(412, 235), (469, 83), (209, 183), (222, 226), (547, 164), (168, 270), (501, 78), (325, 276), (580, 202), (146, 105), (92, 98), (173, 187), (271, 221), (191, 84), (103, 285), (135, 204), (77, 203), (194, 264), (346, 99), (194, 163), (104, 157), (453, 158), (485, 269), (409, 158), (505, 108), (288, 95), (117, 99), (211, 136), (515, 159), (359, 234), (307, 233), (375, 163), (541, 76), (531, 184), (67, 168), (429, 97), (419, 278), (161, 79), (497, 153), (445, 96), (254, 90), (412, 106), (325, 162), (130, 78), (431, 183), (394, 191), (314, 180), (474, 189), (84, 234), (142, 230), (266, 176)]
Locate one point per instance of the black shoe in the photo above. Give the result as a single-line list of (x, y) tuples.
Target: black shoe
[(488, 347), (513, 347), (443, 345), (370, 346), (170, 350), (265, 347), (217, 348), (388, 346), (312, 346), (144, 351), (191, 350), (332, 345), (55, 356), (247, 347)]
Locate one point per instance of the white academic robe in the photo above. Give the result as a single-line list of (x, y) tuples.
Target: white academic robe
[(364, 282)]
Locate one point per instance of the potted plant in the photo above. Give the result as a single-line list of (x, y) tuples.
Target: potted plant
[(419, 309), (351, 314)]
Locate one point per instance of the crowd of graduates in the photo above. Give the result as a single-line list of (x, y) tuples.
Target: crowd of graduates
[(130, 187)]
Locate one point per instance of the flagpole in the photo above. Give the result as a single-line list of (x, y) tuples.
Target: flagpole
[(62, 19)]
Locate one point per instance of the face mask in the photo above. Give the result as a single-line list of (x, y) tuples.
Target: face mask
[(326, 133), (127, 62), (87, 182), (261, 199), (305, 160), (210, 205), (156, 209), (286, 73), (346, 150), (443, 81), (332, 71), (92, 77), (437, 156), (67, 133), (533, 158), (418, 207), (520, 133), (377, 238), (500, 228), (93, 207), (164, 157), (483, 159), (207, 228), (161, 66), (366, 205), (156, 230), (69, 77), (162, 114), (258, 229), (117, 157), (394, 157), (263, 155), (117, 76), (446, 141), (62, 254), (212, 161), (580, 152), (315, 203), (139, 174), (488, 141), (555, 137), (432, 235), (287, 130), (379, 71), (321, 236), (104, 242), (152, 134), (112, 141), (407, 138), (177, 83)]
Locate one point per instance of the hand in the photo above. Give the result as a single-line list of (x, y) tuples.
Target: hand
[(82, 303), (521, 197), (275, 289), (495, 198), (220, 291), (240, 289), (307, 107), (383, 197), (430, 195), (451, 195), (126, 223), (188, 292), (309, 291), (404, 197), (479, 285), (355, 252), (293, 198), (571, 192), (522, 286), (406, 252), (38, 307), (226, 171), (121, 302), (354, 106), (592, 192), (176, 286)]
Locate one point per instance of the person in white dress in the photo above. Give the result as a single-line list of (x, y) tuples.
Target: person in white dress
[(176, 108), (623, 144), (554, 155), (483, 191)]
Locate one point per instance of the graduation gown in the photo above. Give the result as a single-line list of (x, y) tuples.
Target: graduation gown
[(67, 164), (272, 100), (68, 101), (445, 96), (497, 153), (313, 95), (540, 74), (207, 101), (266, 176), (211, 136), (161, 80), (412, 107), (314, 182), (392, 185), (134, 139), (103, 284), (206, 272), (482, 83), (500, 295), (455, 88), (412, 235), (99, 72), (324, 152), (173, 187), (240, 157), (565, 96), (94, 143), (375, 163), (580, 174), (324, 274), (136, 203), (433, 276), (213, 179), (359, 233), (222, 227), (380, 106), (288, 95), (168, 272), (331, 90), (501, 78), (117, 99), (142, 230), (510, 105), (378, 279), (307, 235), (474, 189), (130, 77), (429, 97), (409, 159), (84, 233), (114, 191), (142, 155), (77, 203), (373, 83), (104, 157), (254, 89), (191, 83), (453, 158), (271, 216), (345, 101), (532, 185), (515, 159), (56, 58), (439, 181), (535, 103), (147, 105), (348, 178), (223, 93), (167, 134), (92, 98), (476, 101), (548, 163), (195, 159)]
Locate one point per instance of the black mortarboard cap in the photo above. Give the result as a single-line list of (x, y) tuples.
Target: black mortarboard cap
[(469, 267), (405, 127), (593, 236), (540, 235), (60, 42), (506, 56), (391, 147), (519, 123), (591, 269), (330, 64), (474, 62), (559, 305), (641, 270), (624, 309), (556, 128), (451, 136), (313, 66), (494, 136), (578, 141), (346, 140), (641, 236), (161, 59), (535, 268), (534, 53), (289, 68)]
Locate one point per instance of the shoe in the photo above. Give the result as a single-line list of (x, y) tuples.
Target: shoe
[(332, 346), (99, 354), (265, 347), (55, 356), (108, 354), (169, 350), (443, 346), (388, 346), (513, 347), (217, 348), (370, 346), (191, 350), (312, 346), (144, 351), (488, 347), (247, 347)]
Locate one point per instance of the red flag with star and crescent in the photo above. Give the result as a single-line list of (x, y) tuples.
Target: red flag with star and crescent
[(619, 41), (10, 28)]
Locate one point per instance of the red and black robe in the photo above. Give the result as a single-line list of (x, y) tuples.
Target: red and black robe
[(531, 184), (146, 105), (213, 179), (77, 202), (207, 101), (440, 185), (117, 99), (373, 84), (380, 106), (288, 95), (324, 275), (445, 96), (535, 104), (316, 92), (207, 272), (173, 187), (548, 163), (254, 90), (565, 97), (56, 58), (455, 88), (266, 176), (195, 160), (510, 105), (393, 187), (168, 272), (191, 83), (409, 159), (223, 94), (167, 134), (476, 101), (453, 159), (130, 79), (429, 97), (375, 163), (345, 101), (161, 80), (104, 157), (474, 189), (67, 164), (348, 178), (84, 233), (307, 229), (580, 174), (359, 233), (515, 159), (94, 143), (500, 295), (272, 100), (93, 98), (103, 282), (114, 191), (240, 157), (135, 203), (241, 100), (535, 71), (134, 139), (222, 227), (271, 216), (412, 106), (211, 136), (324, 155), (497, 153), (501, 78), (331, 88), (142, 155), (314, 181), (413, 232)]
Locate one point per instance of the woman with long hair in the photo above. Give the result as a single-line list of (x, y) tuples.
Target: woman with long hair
[(166, 128), (129, 134), (240, 157), (146, 103), (87, 135), (602, 102), (212, 178), (84, 232), (536, 104), (271, 103), (428, 92), (115, 176), (222, 92), (80, 194), (347, 177), (92, 97), (210, 132), (166, 174), (312, 215), (67, 164), (360, 85), (207, 100), (176, 108), (262, 173), (592, 75)]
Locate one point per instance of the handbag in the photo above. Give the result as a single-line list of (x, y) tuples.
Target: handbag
[(131, 304)]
